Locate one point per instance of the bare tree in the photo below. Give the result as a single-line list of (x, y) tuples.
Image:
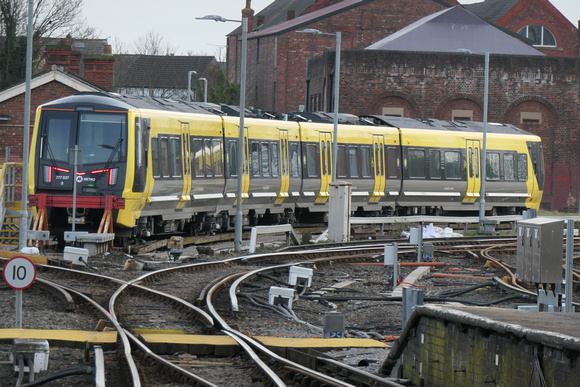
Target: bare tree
[(50, 18), (152, 43)]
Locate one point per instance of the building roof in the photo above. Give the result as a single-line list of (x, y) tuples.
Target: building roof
[(67, 79), (308, 18), (275, 22), (491, 10), (162, 72), (450, 30), (276, 12)]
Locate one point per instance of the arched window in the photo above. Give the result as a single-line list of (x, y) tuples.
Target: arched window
[(540, 35)]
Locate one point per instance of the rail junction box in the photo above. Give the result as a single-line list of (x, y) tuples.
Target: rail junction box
[(35, 350), (298, 273), (76, 255), (540, 250), (280, 296)]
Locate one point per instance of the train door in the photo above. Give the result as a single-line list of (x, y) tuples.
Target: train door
[(473, 174), (325, 142), (284, 170), (378, 168), (185, 148)]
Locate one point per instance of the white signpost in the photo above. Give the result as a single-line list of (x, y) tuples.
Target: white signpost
[(19, 273)]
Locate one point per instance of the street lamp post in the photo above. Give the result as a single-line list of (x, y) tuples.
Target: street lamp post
[(336, 92), (189, 74), (204, 89), (484, 144), (484, 147), (23, 223), (238, 218)]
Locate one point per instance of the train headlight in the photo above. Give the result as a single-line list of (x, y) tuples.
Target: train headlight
[(113, 174), (47, 174)]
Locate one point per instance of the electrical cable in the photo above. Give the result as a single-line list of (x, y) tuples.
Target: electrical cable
[(427, 299), (60, 374), (453, 293)]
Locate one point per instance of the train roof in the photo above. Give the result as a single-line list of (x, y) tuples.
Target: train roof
[(322, 117), (120, 102), (433, 124)]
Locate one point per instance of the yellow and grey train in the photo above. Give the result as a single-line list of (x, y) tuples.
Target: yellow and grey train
[(159, 166)]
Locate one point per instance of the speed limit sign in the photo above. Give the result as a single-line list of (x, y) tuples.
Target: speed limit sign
[(19, 273)]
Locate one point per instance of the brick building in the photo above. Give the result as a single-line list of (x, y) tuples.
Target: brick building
[(44, 88), (538, 93), (90, 59), (409, 74), (277, 53)]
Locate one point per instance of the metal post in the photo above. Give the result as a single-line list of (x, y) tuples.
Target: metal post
[(75, 168), (336, 93), (189, 73), (238, 219), (204, 89), (569, 265), (484, 148), (23, 225), (18, 309)]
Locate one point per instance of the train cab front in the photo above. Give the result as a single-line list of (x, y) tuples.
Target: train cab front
[(78, 159)]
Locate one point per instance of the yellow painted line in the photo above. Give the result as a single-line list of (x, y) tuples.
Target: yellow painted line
[(188, 339), (269, 341), (63, 335), (39, 259), (291, 342), (139, 331)]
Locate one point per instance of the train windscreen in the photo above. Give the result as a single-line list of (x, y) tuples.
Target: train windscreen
[(101, 137)]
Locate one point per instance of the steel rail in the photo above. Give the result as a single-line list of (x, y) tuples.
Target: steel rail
[(268, 371), (149, 354), (133, 371)]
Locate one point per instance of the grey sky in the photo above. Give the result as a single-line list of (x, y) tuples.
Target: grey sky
[(127, 20)]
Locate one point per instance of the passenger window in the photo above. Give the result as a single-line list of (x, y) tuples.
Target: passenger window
[(155, 157), (294, 161), (417, 163), (323, 153), (353, 161), (255, 152), (452, 165), (522, 167), (164, 153), (207, 157), (492, 166), (232, 158), (377, 160), (176, 157), (265, 160), (341, 162), (366, 161), (393, 164), (311, 160), (508, 166), (435, 164), (197, 158), (217, 158), (274, 160)]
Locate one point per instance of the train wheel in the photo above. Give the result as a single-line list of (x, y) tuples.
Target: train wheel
[(122, 241)]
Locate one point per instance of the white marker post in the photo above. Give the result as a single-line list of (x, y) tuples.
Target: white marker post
[(19, 273)]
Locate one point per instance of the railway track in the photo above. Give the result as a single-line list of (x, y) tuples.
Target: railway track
[(218, 298)]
